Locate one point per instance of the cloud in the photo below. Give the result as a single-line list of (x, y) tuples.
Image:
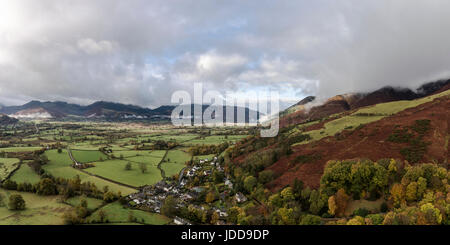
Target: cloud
[(141, 51), (91, 47)]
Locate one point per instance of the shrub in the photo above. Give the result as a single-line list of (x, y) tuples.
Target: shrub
[(16, 202), (363, 212), (311, 220), (376, 219)]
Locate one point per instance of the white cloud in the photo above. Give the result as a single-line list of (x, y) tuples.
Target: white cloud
[(93, 47), (141, 51)]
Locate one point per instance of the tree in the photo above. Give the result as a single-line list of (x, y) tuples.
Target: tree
[(128, 166), (275, 200), (250, 183), (286, 216), (47, 187), (233, 214), (317, 201), (287, 194), (143, 167), (411, 192), (341, 199), (311, 220), (432, 215), (218, 177), (83, 203), (109, 197), (16, 202), (332, 207), (265, 176), (397, 194), (421, 187), (297, 188), (357, 220), (214, 218), (210, 197), (169, 206), (102, 215)]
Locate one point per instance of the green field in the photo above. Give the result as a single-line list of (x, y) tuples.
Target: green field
[(203, 157), (178, 138), (216, 139), (116, 213), (88, 156), (92, 202), (40, 210), (25, 175), (174, 162), (7, 165), (60, 166), (115, 170), (19, 149)]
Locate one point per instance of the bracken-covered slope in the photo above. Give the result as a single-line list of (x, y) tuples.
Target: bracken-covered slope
[(310, 109), (412, 130)]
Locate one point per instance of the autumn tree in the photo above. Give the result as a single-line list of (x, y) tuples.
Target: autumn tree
[(287, 194), (286, 216), (332, 207), (411, 192), (210, 197), (398, 194), (341, 199), (46, 187)]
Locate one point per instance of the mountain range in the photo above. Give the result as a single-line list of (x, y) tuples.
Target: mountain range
[(102, 110)]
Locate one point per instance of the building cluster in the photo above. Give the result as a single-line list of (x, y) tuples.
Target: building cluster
[(152, 197)]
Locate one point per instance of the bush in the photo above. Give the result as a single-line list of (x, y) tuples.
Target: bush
[(16, 202), (46, 187), (311, 220), (265, 176), (363, 212), (109, 197), (9, 185), (250, 183), (376, 219)]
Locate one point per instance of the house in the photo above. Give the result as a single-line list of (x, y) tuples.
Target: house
[(180, 221), (240, 198), (229, 184)]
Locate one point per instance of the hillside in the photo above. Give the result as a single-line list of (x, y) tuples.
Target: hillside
[(5, 120), (415, 130), (310, 109)]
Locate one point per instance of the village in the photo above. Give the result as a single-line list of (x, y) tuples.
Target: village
[(187, 191)]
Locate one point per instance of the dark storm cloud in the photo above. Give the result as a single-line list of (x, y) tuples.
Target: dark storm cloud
[(141, 51)]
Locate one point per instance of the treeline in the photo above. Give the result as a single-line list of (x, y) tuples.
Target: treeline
[(410, 195), (208, 149)]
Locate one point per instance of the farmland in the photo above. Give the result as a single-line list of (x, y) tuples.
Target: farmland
[(108, 161)]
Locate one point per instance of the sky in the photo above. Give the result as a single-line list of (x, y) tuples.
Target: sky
[(141, 51)]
